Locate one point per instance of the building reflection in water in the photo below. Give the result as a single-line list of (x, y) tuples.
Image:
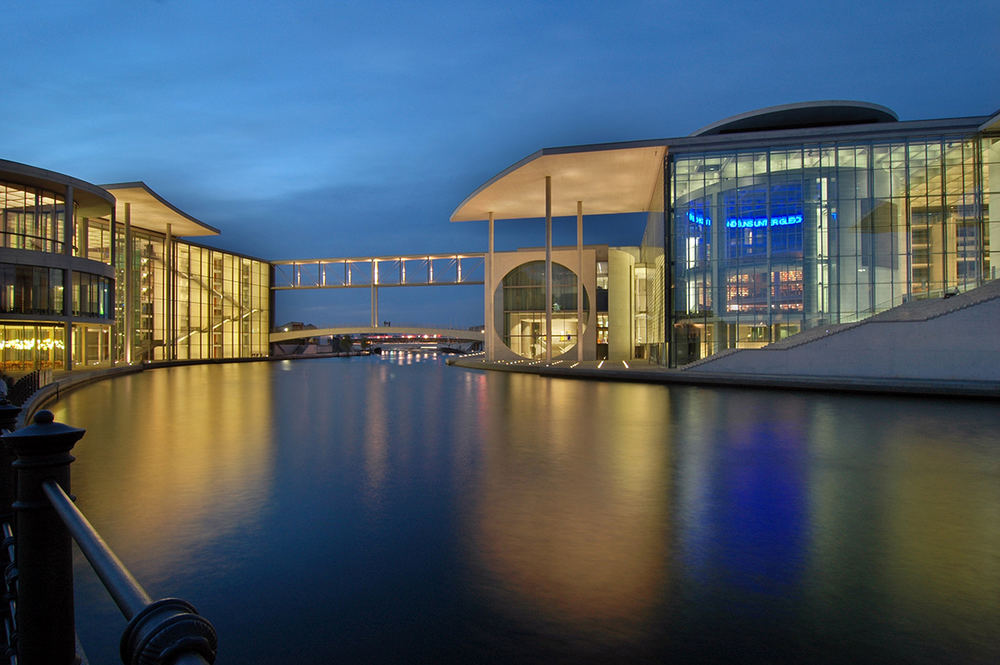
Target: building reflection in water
[(570, 521), (422, 513), (742, 491), (906, 523), (173, 462)]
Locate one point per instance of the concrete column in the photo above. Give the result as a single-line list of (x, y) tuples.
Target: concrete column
[(68, 227), (168, 296), (489, 322), (68, 290), (548, 268), (129, 285), (113, 294), (621, 298), (579, 280), (992, 199)]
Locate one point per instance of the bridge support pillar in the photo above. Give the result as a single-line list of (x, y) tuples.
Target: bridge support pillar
[(374, 306)]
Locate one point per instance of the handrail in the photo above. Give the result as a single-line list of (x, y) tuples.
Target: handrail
[(168, 630), (127, 593), (46, 522)]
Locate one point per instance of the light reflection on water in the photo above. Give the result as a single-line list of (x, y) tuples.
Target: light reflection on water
[(397, 510)]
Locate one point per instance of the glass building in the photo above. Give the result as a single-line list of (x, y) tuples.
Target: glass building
[(93, 276), (772, 222), (770, 239)]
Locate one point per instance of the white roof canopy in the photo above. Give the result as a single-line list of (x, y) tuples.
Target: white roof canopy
[(606, 179), (151, 211)]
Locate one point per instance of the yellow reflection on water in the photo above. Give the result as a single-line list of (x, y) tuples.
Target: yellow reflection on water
[(942, 529), (376, 437), (908, 519), (561, 540), (185, 462)]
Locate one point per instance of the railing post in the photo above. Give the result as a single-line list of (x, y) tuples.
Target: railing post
[(45, 618), (8, 421)]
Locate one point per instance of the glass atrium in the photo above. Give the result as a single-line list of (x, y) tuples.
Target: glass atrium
[(767, 242)]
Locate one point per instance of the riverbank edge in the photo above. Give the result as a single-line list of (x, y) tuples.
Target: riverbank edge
[(644, 373), (79, 378)]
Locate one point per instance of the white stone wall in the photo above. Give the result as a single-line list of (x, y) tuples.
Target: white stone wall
[(963, 345)]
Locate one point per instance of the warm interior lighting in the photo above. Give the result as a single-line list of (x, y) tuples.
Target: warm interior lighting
[(31, 343)]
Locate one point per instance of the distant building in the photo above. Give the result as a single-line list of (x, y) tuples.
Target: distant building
[(759, 226)]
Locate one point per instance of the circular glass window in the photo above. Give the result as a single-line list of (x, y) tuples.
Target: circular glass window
[(520, 310)]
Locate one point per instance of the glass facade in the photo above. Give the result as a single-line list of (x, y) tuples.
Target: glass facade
[(91, 345), (521, 320), (33, 219), (770, 241), (92, 238), (28, 346), (197, 303), (91, 295), (31, 289), (221, 308)]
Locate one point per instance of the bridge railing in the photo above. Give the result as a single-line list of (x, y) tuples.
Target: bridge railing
[(40, 521), (448, 269)]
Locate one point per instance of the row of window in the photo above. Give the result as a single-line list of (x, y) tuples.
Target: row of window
[(35, 220), (39, 290)]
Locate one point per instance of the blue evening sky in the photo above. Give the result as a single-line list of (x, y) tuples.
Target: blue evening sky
[(305, 129)]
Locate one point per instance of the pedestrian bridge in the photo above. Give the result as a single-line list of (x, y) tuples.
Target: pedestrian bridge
[(392, 331)]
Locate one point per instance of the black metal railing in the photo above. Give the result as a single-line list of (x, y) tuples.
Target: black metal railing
[(28, 385), (40, 523)]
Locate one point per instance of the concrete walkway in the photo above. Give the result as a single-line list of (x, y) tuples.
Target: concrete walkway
[(643, 372)]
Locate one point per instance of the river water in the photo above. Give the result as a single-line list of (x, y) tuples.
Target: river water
[(396, 510)]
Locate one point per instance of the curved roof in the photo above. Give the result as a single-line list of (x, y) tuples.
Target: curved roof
[(801, 115), (609, 178), (991, 125), (88, 197), (151, 211)]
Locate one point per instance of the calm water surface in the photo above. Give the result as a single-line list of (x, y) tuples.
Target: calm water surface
[(386, 510)]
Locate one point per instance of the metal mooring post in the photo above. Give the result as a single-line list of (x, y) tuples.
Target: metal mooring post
[(45, 619)]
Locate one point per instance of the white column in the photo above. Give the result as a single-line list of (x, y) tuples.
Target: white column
[(69, 233), (548, 268), (993, 158), (488, 320), (169, 295), (129, 285), (579, 280)]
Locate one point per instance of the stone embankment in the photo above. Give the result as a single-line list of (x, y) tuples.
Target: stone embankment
[(944, 346)]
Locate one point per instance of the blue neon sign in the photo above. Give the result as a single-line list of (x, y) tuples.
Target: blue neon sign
[(785, 206), (754, 222), (699, 218), (745, 222)]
